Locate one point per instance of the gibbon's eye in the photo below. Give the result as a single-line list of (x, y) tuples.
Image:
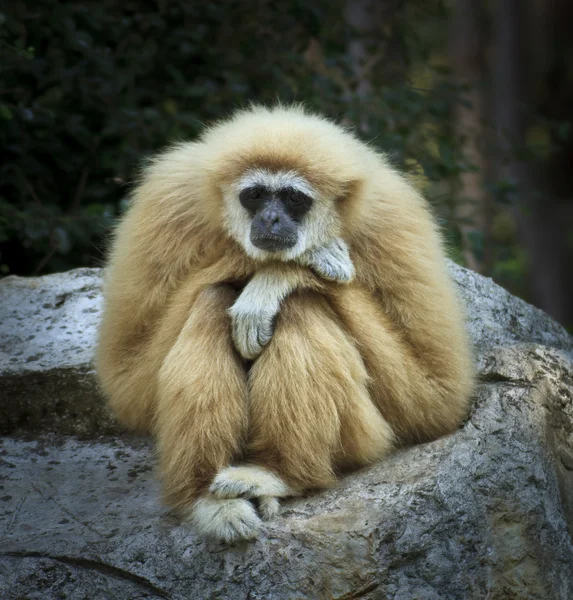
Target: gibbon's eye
[(251, 198), (297, 202)]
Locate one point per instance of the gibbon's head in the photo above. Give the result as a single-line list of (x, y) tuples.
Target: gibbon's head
[(284, 178)]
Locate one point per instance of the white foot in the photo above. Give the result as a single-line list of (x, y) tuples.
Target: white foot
[(254, 483), (248, 481), (228, 520)]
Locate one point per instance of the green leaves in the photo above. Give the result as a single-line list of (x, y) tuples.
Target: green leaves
[(90, 89)]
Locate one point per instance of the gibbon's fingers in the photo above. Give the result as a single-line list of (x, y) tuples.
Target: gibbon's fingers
[(249, 481), (227, 520), (253, 483), (332, 262), (253, 313)]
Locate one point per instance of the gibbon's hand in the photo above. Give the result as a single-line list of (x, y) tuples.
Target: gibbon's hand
[(331, 262), (254, 312)]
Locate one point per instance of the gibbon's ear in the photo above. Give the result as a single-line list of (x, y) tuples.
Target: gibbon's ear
[(212, 209), (348, 203)]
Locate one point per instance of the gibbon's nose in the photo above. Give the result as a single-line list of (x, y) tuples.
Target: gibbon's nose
[(272, 229), (271, 219)]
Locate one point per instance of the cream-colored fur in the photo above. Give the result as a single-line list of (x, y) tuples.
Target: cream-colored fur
[(249, 481), (331, 261), (255, 310), (350, 370), (226, 520), (224, 513)]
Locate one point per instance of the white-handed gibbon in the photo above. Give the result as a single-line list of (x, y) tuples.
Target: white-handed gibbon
[(277, 311)]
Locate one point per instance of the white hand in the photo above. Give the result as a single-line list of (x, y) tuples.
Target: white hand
[(331, 262), (254, 312)]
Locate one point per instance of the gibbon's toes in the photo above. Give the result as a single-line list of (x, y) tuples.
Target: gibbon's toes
[(268, 507), (248, 481), (225, 520)]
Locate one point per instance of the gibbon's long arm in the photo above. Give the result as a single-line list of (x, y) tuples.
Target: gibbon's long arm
[(254, 313), (162, 245), (404, 313)]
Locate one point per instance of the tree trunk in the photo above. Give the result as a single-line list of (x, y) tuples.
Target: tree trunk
[(540, 231), (467, 55)]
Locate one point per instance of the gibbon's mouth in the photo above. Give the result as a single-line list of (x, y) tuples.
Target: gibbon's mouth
[(273, 243)]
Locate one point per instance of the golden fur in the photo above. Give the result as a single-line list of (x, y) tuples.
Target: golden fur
[(350, 370)]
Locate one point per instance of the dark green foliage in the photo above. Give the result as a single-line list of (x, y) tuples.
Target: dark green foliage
[(89, 89)]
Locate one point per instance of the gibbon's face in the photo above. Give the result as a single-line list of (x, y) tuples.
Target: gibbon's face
[(278, 214)]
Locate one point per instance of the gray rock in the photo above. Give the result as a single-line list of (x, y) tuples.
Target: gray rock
[(495, 317), (47, 339), (483, 513)]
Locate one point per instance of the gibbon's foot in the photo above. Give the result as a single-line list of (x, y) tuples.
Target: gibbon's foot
[(253, 483), (268, 507), (331, 262), (226, 520)]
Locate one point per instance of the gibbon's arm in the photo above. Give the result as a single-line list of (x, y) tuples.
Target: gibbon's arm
[(164, 240), (254, 313), (404, 312)]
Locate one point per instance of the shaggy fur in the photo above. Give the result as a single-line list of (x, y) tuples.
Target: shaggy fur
[(350, 370)]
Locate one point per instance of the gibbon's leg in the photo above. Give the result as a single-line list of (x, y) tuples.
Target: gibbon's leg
[(310, 414), (421, 400), (201, 418), (140, 326)]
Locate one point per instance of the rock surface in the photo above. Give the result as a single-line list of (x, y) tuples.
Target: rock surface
[(483, 513), (47, 339)]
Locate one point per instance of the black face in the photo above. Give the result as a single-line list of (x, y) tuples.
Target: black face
[(276, 216)]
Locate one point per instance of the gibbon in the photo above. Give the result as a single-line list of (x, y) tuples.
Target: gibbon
[(277, 311)]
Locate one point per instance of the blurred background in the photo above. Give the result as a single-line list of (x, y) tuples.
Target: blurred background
[(473, 98)]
